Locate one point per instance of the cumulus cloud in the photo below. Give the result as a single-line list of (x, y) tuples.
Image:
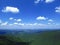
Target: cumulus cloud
[(49, 23), (10, 18), (46, 1), (38, 24), (41, 18), (49, 1), (18, 24), (50, 20), (18, 20), (10, 9), (57, 9), (0, 21), (36, 1), (5, 23), (35, 24), (15, 23)]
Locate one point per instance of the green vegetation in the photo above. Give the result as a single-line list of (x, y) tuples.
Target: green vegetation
[(42, 38)]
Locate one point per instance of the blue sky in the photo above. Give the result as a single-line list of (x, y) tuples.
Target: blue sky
[(29, 14)]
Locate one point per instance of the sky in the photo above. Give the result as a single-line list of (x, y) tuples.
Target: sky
[(29, 14)]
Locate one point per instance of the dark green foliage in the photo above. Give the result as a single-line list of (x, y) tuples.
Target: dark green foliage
[(42, 38)]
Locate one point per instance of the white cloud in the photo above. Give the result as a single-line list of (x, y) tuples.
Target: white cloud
[(15, 23), (10, 9), (0, 21), (50, 20), (18, 24), (41, 18), (5, 23), (35, 24), (57, 9), (49, 23), (10, 18), (18, 20), (38, 24), (46, 1), (36, 1), (49, 1)]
